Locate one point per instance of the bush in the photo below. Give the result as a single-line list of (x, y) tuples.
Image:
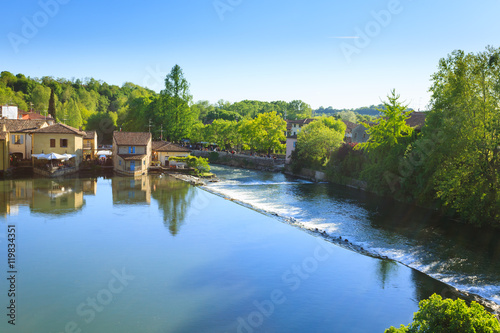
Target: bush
[(448, 316), (213, 156), (199, 164)]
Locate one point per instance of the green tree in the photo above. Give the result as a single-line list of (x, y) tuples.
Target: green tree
[(73, 114), (198, 133), (461, 167), (40, 98), (389, 139), (391, 127), (52, 104), (269, 130), (175, 112), (448, 316), (104, 123), (298, 110), (317, 140)]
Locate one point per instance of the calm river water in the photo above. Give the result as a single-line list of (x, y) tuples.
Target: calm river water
[(154, 254)]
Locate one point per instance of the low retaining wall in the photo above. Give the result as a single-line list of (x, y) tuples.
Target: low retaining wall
[(242, 161)]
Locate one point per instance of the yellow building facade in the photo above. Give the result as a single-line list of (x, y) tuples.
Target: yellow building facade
[(59, 139)]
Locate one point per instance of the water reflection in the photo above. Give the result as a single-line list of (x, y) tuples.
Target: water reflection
[(45, 196), (131, 191), (174, 198)]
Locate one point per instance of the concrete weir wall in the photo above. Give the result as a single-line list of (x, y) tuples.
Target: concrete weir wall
[(242, 161)]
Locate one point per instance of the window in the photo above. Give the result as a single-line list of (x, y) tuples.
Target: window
[(143, 162), (17, 139), (52, 142), (63, 142), (131, 150), (120, 162)]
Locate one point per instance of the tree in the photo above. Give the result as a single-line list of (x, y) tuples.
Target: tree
[(74, 117), (269, 132), (317, 140), (104, 123), (389, 139), (298, 110), (348, 116), (40, 98), (175, 113), (448, 316), (52, 104), (461, 166), (198, 133), (391, 127)]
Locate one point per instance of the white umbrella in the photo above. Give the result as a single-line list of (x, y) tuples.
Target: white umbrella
[(104, 152), (68, 156), (40, 156), (55, 156)]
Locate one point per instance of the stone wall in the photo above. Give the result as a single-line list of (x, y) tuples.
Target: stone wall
[(242, 161)]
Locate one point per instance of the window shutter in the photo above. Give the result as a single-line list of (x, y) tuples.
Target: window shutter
[(22, 138)]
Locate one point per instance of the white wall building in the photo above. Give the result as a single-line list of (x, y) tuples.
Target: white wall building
[(8, 112)]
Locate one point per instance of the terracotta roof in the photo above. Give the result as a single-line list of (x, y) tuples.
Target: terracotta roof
[(168, 146), (299, 121), (21, 125), (132, 157), (34, 116), (59, 129), (131, 138), (3, 135), (349, 126), (89, 135), (416, 120)]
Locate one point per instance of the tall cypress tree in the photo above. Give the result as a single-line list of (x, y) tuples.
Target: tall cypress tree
[(52, 104)]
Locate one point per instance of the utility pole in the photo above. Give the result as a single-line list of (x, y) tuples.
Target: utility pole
[(149, 125), (161, 133)]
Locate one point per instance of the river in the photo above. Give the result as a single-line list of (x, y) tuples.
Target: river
[(462, 256), (154, 254)]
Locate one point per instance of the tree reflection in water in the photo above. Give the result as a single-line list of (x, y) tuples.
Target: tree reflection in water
[(174, 198)]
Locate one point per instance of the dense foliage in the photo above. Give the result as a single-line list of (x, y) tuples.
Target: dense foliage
[(199, 164), (448, 316), (316, 142), (453, 163)]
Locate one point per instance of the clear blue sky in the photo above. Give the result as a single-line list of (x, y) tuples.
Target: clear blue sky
[(250, 49)]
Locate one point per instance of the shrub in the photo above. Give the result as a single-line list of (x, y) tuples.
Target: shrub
[(448, 316), (199, 164)]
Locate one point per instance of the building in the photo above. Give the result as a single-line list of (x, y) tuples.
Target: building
[(350, 126), (162, 151), (293, 127), (20, 143), (90, 145), (59, 139), (132, 152), (8, 112), (360, 133), (36, 116), (4, 148)]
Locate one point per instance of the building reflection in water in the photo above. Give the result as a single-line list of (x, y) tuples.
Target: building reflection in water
[(45, 196), (64, 196), (173, 196), (131, 190)]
